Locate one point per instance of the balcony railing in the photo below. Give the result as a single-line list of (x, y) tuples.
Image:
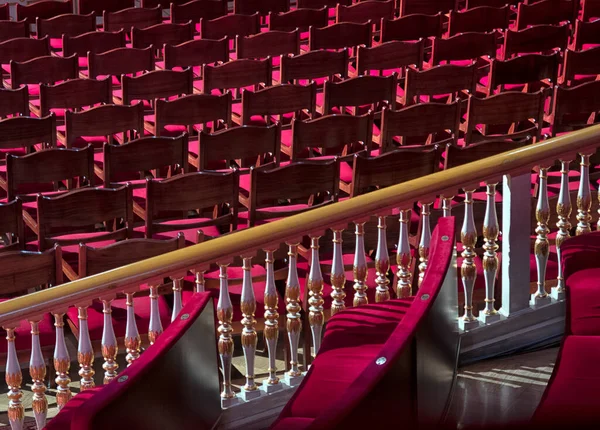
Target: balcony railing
[(513, 168)]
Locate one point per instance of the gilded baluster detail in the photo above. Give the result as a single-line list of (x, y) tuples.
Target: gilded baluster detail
[(85, 353), (446, 206), (584, 199), (225, 345), (271, 331), (314, 285), (62, 363), (37, 371), (14, 379), (338, 275), (468, 270), (249, 337), (425, 240), (155, 327), (360, 267), (542, 245), (563, 210), (490, 258), (177, 305), (293, 317), (403, 257), (110, 348), (382, 262), (200, 284), (133, 342)]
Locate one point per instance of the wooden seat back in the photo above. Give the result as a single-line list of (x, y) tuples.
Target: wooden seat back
[(524, 69), (377, 91), (339, 36), (412, 27), (25, 132), (272, 43), (195, 53), (389, 56), (465, 46), (479, 19), (159, 34), (13, 29), (586, 62), (134, 17), (444, 79), (42, 9), (575, 107), (75, 94), (98, 6), (229, 26), (23, 49), (538, 38), (300, 19), (262, 7), (314, 64), (120, 61), (14, 102), (69, 24), (279, 100), (11, 226), (20, 271), (45, 70), (157, 84), (196, 10), (373, 10), (95, 42), (545, 12)]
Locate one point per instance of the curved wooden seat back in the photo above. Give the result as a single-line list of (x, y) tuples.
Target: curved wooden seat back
[(313, 65), (95, 42), (355, 93), (529, 69), (545, 12), (159, 34), (576, 107), (586, 33), (537, 38), (479, 19), (263, 7), (362, 12), (26, 131), (464, 46), (196, 10), (157, 84), (23, 49), (14, 102), (11, 226), (172, 399), (133, 17), (391, 55), (195, 53), (74, 94), (229, 26), (12, 29), (235, 75), (46, 70), (586, 62), (43, 9), (22, 270), (408, 7), (300, 19), (98, 6), (268, 44), (439, 80), (339, 36), (412, 27), (411, 373), (120, 61), (69, 24)]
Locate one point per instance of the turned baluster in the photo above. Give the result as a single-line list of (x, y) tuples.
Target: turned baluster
[(446, 206), (110, 349), (360, 267), (403, 257), (37, 371), (382, 262), (425, 240), (563, 210), (271, 331), (489, 314), (584, 199), (133, 341), (225, 345), (249, 337), (294, 321), (155, 327), (314, 285), (468, 270), (541, 247), (177, 305), (200, 285), (62, 363), (14, 379), (85, 353), (338, 275)]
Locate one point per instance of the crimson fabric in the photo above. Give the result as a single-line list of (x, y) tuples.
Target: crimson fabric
[(80, 415), (344, 372), (584, 302), (23, 334), (119, 316)]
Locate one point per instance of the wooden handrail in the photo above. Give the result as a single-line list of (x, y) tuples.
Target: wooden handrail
[(245, 242)]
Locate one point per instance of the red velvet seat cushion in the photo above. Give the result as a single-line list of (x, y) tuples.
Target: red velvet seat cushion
[(119, 316), (584, 302), (23, 334)]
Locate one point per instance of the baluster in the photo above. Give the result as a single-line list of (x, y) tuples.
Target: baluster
[(563, 210), (294, 320), (584, 200), (85, 353), (110, 349), (224, 315), (62, 363), (249, 336), (37, 371), (468, 270), (382, 262), (446, 206), (271, 331), (541, 248), (315, 293), (14, 379), (200, 281), (403, 257), (177, 287), (338, 275), (489, 314), (155, 327), (360, 267), (133, 341), (425, 240)]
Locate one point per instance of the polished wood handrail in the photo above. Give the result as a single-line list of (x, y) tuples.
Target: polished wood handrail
[(245, 242)]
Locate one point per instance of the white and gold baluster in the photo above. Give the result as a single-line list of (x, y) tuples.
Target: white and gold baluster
[(133, 342), (85, 353), (249, 337), (360, 266), (563, 210), (314, 285), (110, 349), (584, 199), (542, 246), (382, 262), (446, 205), (62, 362), (225, 345), (37, 371), (271, 332), (489, 314), (338, 274), (177, 288), (425, 240), (200, 283), (468, 270), (155, 327), (293, 376), (403, 257), (14, 379)]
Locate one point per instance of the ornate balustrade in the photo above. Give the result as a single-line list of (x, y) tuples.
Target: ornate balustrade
[(513, 168)]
